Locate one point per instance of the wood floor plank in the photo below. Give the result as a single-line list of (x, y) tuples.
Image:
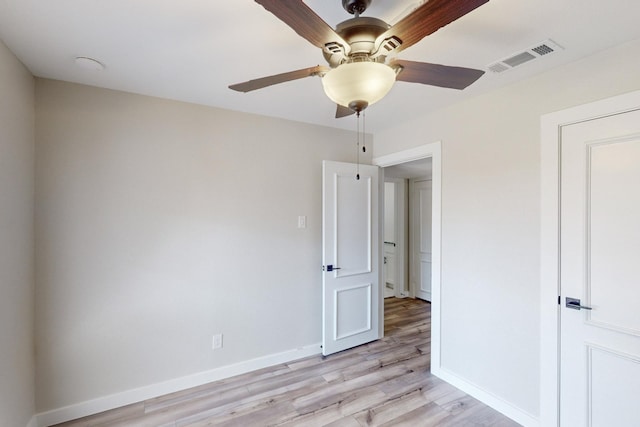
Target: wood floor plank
[(391, 409), (333, 413), (429, 415), (335, 392), (344, 422), (215, 388), (383, 383), (247, 403)]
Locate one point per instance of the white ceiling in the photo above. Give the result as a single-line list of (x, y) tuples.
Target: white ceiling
[(413, 169), (191, 50)]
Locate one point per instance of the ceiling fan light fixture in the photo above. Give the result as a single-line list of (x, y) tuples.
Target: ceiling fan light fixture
[(360, 82)]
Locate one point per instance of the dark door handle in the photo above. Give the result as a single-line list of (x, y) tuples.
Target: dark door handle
[(330, 268), (574, 303)]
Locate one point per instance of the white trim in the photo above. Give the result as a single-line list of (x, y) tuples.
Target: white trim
[(500, 405), (33, 422), (128, 397), (433, 150), (550, 134), (404, 156)]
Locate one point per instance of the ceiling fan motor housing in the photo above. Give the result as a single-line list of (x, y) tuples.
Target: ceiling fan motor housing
[(361, 34), (355, 7)]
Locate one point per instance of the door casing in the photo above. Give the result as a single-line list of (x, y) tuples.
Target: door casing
[(551, 127)]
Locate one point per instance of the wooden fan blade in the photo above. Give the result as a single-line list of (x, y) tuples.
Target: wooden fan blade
[(342, 111), (304, 21), (427, 19), (278, 78), (436, 74)]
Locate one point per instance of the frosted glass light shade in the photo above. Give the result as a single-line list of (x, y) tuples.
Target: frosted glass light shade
[(358, 81)]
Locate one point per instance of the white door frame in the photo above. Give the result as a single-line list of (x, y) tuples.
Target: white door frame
[(433, 150), (551, 127)]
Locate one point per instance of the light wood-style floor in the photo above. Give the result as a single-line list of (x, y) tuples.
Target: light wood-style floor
[(384, 383)]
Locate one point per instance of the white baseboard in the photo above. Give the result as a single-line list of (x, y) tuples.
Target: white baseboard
[(33, 422), (128, 397), (489, 399)]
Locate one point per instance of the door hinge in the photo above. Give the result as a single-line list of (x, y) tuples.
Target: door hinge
[(559, 300)]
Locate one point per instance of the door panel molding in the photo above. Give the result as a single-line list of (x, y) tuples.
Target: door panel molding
[(598, 386), (360, 262), (551, 131), (340, 311), (600, 155)]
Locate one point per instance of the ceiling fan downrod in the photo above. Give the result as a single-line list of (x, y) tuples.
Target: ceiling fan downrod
[(355, 7)]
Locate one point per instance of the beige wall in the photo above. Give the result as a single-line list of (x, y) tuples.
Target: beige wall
[(16, 241), (491, 216), (161, 223)]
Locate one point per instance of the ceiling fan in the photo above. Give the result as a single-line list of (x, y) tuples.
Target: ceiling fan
[(360, 70)]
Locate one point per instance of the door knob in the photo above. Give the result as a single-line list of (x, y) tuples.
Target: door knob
[(574, 303)]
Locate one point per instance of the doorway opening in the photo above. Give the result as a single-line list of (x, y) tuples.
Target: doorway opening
[(407, 257), (419, 158)]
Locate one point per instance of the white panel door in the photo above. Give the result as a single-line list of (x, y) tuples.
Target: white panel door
[(600, 266), (390, 230), (351, 293), (420, 229)]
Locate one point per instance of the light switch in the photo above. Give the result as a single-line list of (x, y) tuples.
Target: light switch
[(302, 221)]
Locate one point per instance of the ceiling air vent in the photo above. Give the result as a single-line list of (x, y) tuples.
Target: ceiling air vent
[(541, 49), (498, 67)]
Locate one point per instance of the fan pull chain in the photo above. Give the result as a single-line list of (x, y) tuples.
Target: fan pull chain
[(364, 131), (358, 145)]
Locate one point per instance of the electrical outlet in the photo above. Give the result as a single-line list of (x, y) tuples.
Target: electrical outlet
[(217, 341)]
